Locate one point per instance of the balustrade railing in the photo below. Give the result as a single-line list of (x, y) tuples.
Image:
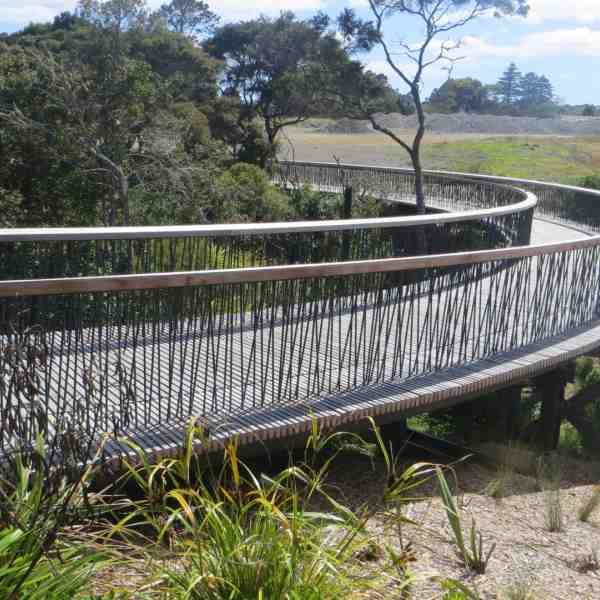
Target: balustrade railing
[(504, 220), (145, 351)]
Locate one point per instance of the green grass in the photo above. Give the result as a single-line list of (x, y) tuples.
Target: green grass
[(555, 159), (547, 158)]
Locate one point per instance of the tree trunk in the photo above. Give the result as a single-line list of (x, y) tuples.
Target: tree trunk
[(347, 207), (347, 214), (121, 183), (419, 182), (272, 132), (415, 156)]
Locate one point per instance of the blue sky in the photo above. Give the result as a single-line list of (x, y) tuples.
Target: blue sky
[(560, 38)]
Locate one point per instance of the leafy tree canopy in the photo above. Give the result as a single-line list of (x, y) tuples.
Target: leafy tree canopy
[(282, 70)]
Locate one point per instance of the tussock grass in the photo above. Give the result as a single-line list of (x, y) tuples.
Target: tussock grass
[(549, 474), (519, 590), (590, 505), (224, 532)]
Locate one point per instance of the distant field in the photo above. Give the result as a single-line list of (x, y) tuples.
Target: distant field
[(553, 158)]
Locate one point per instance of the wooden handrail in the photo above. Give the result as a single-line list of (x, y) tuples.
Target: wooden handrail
[(528, 201), (115, 283)]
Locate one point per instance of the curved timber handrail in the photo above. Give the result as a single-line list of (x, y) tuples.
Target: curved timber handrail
[(545, 191), (527, 202), (471, 216), (147, 281), (456, 175)]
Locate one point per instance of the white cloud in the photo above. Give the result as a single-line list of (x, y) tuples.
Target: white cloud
[(21, 12), (25, 11), (584, 11), (245, 8), (582, 41)]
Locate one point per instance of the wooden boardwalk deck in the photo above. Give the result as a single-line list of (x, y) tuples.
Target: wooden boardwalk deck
[(420, 394), (364, 360)]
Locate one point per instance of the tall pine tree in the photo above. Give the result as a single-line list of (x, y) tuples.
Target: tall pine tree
[(509, 85)]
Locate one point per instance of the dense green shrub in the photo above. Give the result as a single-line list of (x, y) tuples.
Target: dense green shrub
[(244, 194)]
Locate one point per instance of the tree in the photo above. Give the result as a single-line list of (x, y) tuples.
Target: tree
[(589, 110), (535, 91), (438, 18), (281, 70), (91, 123), (545, 90), (96, 114), (189, 17), (457, 95), (509, 85)]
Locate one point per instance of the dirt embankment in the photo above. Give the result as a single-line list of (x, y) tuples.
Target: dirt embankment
[(469, 123)]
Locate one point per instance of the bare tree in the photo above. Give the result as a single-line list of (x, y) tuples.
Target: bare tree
[(438, 18)]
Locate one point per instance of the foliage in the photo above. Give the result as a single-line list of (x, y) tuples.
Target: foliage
[(43, 493), (315, 205), (513, 94), (456, 590), (243, 193), (459, 95), (461, 421), (570, 440), (282, 70), (191, 17), (471, 553), (220, 531), (589, 110), (108, 118), (591, 181), (508, 87), (497, 487), (582, 407)]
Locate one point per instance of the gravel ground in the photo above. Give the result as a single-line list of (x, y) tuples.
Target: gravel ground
[(548, 564), (471, 123)]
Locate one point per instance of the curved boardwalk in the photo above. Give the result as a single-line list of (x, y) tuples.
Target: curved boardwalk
[(260, 353)]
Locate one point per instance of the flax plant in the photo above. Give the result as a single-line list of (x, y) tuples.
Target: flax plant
[(220, 531), (470, 551)]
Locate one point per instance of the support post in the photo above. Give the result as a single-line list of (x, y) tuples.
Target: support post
[(396, 432), (510, 399), (347, 208), (347, 214), (550, 389)]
